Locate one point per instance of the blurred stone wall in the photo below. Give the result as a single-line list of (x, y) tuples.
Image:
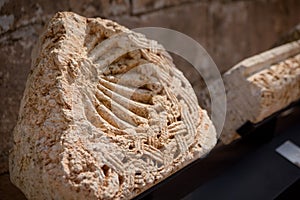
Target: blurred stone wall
[(230, 30)]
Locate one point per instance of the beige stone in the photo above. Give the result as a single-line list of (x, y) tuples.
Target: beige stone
[(105, 114), (259, 86), (217, 25)]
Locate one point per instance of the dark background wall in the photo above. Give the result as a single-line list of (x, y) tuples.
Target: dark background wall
[(230, 30)]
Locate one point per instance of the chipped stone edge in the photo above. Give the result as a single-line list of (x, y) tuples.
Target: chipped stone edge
[(243, 107)]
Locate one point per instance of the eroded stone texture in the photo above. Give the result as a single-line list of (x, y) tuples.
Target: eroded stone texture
[(260, 86), (216, 25), (105, 114), (279, 85)]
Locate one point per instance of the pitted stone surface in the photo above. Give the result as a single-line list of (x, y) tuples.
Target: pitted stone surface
[(105, 114), (260, 86)]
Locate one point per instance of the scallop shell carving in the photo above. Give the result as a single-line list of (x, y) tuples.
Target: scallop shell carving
[(105, 114)]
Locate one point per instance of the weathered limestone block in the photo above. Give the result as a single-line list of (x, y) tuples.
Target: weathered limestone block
[(260, 86), (105, 114)]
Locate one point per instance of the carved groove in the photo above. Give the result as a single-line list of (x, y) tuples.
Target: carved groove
[(119, 107)]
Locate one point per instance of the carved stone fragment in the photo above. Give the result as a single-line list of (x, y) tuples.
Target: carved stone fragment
[(260, 86), (105, 114)]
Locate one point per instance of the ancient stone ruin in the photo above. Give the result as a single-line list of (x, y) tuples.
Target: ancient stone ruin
[(105, 114), (260, 86)]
